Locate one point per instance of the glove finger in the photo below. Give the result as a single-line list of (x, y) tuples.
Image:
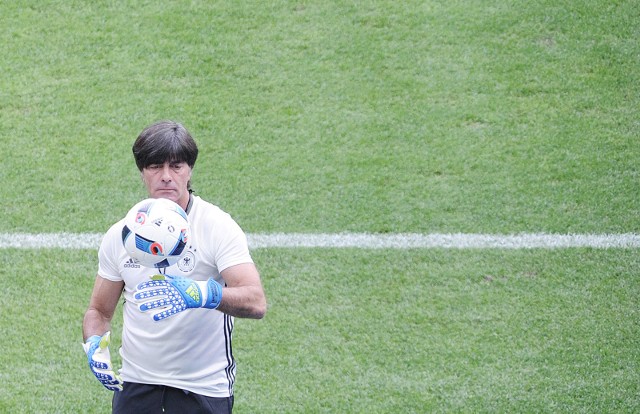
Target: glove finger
[(152, 284), (146, 295), (165, 314), (114, 381), (113, 387), (105, 341), (101, 362), (155, 304), (152, 293), (106, 377), (99, 365)]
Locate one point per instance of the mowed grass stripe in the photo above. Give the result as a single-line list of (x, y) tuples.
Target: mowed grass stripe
[(360, 240)]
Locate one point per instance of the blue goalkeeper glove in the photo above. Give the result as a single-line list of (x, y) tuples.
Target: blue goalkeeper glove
[(97, 350), (168, 295)]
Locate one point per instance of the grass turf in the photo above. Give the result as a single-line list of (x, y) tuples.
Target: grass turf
[(419, 116), (363, 331)]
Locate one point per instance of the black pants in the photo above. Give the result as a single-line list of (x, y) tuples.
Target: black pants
[(151, 399)]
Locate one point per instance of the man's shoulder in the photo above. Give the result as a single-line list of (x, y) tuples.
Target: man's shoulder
[(202, 206), (116, 227), (114, 231)]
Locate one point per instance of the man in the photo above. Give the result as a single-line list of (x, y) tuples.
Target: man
[(182, 363)]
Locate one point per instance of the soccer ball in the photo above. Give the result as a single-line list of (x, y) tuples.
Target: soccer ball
[(155, 232)]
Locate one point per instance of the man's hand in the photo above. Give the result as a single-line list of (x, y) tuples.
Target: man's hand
[(97, 350), (168, 295)]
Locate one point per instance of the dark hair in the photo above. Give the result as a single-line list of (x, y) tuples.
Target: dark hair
[(164, 141)]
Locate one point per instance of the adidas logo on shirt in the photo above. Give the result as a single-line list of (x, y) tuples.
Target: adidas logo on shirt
[(132, 264)]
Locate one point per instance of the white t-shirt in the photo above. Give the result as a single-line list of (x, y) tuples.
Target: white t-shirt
[(192, 349)]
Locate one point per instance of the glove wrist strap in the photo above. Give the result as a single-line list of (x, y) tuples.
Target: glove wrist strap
[(214, 294)]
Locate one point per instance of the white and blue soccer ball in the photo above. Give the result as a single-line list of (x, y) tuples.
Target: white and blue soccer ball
[(156, 232)]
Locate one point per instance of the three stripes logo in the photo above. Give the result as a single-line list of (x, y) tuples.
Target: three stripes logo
[(131, 264)]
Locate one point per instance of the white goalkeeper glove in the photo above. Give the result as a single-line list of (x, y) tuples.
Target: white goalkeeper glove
[(97, 350), (168, 295)]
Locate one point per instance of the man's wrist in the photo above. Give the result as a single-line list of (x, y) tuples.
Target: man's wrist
[(214, 294), (94, 339)]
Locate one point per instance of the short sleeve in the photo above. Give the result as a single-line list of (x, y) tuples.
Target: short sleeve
[(109, 254), (233, 248)]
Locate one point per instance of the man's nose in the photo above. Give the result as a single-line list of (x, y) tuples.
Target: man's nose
[(166, 172)]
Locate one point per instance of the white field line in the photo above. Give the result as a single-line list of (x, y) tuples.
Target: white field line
[(361, 240)]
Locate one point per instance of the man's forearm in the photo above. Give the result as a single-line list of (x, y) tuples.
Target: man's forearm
[(243, 302), (94, 323)]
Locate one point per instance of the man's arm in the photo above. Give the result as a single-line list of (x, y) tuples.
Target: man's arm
[(243, 295), (104, 299)]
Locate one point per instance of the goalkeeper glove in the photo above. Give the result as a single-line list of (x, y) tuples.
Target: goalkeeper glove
[(97, 350), (170, 295)]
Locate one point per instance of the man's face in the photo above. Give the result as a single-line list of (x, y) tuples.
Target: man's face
[(168, 180)]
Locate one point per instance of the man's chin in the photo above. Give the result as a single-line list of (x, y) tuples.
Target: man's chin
[(169, 194)]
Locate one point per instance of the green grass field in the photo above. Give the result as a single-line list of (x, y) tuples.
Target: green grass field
[(491, 117)]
